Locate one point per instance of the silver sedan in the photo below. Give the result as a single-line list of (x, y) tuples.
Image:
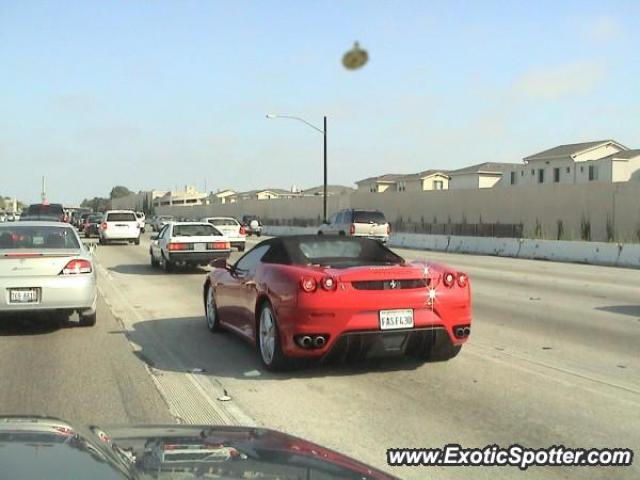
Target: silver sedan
[(45, 267)]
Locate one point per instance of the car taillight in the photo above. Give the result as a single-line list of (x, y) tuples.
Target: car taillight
[(103, 225), (462, 280), (329, 283), (448, 279), (352, 229), (243, 231), (77, 266), (179, 246), (308, 284), (218, 246)]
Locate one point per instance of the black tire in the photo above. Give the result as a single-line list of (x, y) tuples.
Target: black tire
[(320, 232), (211, 310), (136, 241), (87, 320), (259, 234), (167, 265), (142, 230), (154, 262), (241, 249), (277, 361), (102, 241)]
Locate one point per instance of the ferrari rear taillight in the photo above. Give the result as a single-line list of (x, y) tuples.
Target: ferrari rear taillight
[(328, 283), (462, 280), (448, 279), (308, 284), (75, 267), (352, 229)]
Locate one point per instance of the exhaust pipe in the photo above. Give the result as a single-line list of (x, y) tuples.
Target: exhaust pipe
[(467, 331), (459, 332), (306, 341), (318, 341)]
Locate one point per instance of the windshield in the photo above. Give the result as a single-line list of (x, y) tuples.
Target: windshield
[(121, 217), (36, 237), (344, 253), (224, 222), (195, 231), (368, 217)]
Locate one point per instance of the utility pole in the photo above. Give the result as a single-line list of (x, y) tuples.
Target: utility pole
[(44, 189)]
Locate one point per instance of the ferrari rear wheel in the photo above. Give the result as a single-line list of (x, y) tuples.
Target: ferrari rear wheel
[(210, 311), (268, 341)]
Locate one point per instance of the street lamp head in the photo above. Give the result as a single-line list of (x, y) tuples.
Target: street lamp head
[(272, 115)]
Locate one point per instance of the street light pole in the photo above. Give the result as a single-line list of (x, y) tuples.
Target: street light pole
[(324, 199), (323, 131)]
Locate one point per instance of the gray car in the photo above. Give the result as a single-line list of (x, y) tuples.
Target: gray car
[(44, 267)]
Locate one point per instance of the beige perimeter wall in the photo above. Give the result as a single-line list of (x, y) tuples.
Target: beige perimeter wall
[(607, 207)]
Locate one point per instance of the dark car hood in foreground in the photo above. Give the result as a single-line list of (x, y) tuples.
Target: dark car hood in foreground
[(45, 447)]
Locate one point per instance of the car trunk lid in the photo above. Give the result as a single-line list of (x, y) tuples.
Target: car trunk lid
[(23, 263)]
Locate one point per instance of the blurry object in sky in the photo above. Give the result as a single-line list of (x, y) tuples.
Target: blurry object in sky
[(355, 58)]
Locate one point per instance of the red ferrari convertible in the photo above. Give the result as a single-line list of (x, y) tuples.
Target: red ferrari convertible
[(326, 297)]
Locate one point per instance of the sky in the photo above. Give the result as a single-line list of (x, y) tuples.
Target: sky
[(156, 94)]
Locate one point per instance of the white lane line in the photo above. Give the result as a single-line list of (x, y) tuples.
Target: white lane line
[(191, 398)]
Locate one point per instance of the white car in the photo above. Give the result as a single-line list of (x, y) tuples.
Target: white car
[(357, 223), (45, 267), (187, 244), (231, 229), (142, 221), (119, 225)]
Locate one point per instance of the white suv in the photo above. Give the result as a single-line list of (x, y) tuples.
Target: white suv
[(119, 225), (357, 223)]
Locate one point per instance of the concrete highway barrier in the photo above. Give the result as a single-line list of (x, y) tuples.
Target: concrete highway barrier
[(594, 253)]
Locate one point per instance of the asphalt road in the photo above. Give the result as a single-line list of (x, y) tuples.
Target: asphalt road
[(553, 359)]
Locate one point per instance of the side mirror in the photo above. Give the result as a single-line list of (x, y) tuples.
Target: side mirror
[(219, 263), (155, 236)]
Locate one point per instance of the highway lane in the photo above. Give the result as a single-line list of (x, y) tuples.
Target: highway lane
[(83, 375), (553, 359)]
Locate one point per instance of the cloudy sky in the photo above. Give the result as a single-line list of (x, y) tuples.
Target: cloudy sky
[(159, 94)]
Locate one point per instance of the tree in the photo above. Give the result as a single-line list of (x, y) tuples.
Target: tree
[(97, 204), (119, 191)]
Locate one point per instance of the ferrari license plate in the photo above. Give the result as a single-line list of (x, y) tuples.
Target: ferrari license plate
[(200, 247), (23, 295), (396, 319)]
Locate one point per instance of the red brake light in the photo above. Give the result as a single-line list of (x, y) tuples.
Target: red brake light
[(178, 246), (448, 278), (243, 231), (462, 280), (103, 225), (218, 246), (77, 266), (329, 283), (352, 229), (309, 284)]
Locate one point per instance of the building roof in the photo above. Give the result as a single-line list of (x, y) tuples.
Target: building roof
[(486, 167), (423, 174), (277, 191), (570, 149), (386, 178), (625, 154), (331, 190)]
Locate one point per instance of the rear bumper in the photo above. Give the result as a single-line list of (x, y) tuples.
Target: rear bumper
[(337, 324), (198, 257), (106, 235), (380, 238), (73, 292)]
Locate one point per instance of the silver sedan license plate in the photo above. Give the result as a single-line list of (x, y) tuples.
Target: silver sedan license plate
[(396, 319), (23, 295)]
